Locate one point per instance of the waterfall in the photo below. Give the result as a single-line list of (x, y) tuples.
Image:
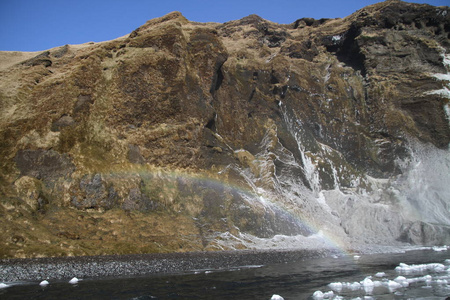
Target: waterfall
[(314, 188), (424, 184)]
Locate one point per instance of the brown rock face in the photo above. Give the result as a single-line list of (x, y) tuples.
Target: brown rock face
[(184, 134)]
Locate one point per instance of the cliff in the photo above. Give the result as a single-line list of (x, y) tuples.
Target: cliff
[(188, 136)]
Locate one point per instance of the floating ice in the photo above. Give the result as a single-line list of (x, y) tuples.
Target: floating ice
[(393, 285), (419, 269), (402, 280), (74, 280), (336, 286), (380, 274), (3, 285), (438, 249), (377, 283), (319, 295), (355, 286), (368, 285), (276, 297), (369, 289), (44, 283)]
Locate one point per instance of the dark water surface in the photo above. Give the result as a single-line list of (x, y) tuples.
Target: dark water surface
[(293, 278)]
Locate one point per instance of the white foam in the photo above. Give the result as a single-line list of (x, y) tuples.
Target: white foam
[(276, 297)]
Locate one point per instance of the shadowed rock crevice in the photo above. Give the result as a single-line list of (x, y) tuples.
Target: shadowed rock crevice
[(347, 49), (218, 75), (211, 125)]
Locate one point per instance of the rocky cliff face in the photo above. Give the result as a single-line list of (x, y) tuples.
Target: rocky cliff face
[(189, 136)]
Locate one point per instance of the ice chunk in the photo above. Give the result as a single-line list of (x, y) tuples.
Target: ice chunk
[(336, 286), (380, 274), (392, 285), (328, 295), (438, 268), (418, 269), (377, 283), (276, 297), (402, 280), (44, 283), (74, 280), (3, 285), (368, 285), (318, 295), (355, 286)]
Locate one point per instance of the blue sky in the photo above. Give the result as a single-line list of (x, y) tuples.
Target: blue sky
[(35, 25)]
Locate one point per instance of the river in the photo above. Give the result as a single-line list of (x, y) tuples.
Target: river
[(418, 274)]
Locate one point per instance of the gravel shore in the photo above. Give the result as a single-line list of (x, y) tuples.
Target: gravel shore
[(36, 269)]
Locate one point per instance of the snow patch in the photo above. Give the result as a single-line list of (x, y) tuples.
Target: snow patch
[(336, 38)]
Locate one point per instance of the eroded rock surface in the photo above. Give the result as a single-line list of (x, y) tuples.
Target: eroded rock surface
[(187, 136)]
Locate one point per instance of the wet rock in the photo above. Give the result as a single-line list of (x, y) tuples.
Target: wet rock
[(306, 50), (30, 190), (94, 193), (136, 200), (422, 233), (134, 154), (64, 121), (47, 165), (83, 104)]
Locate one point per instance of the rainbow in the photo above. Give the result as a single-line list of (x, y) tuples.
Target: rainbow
[(220, 181)]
